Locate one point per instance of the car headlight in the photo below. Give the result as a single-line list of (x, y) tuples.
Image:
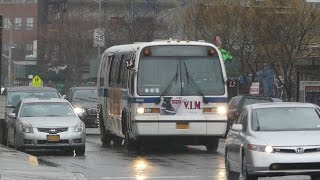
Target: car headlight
[(25, 128), (222, 109), (261, 148), (79, 127), (140, 110), (78, 110)]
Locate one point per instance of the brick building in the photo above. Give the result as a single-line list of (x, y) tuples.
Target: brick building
[(21, 16)]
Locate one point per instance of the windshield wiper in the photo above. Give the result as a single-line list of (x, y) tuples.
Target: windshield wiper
[(194, 84), (165, 91), (258, 124), (318, 112), (10, 106)]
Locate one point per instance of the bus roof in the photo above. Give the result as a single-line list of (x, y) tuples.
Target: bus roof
[(141, 45)]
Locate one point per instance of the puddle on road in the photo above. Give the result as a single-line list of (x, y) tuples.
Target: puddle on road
[(47, 163)]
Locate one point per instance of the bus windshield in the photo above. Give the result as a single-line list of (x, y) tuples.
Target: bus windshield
[(156, 72)]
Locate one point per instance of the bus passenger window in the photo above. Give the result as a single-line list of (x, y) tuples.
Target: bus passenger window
[(132, 85), (111, 60), (114, 71)]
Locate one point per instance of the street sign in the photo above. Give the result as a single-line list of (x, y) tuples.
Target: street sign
[(98, 38), (37, 82)]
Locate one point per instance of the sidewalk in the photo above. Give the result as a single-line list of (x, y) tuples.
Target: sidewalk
[(15, 165)]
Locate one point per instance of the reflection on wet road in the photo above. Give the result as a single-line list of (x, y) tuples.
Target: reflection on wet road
[(165, 162)]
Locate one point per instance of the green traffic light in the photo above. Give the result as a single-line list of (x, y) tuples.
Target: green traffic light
[(226, 56)]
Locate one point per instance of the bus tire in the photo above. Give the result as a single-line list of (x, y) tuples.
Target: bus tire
[(105, 136), (124, 122), (117, 141), (212, 145)]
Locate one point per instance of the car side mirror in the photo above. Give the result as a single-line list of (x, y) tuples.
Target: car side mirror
[(79, 115), (12, 115), (237, 127)]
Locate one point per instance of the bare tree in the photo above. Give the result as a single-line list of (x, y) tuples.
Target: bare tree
[(275, 32), (287, 29), (235, 22)]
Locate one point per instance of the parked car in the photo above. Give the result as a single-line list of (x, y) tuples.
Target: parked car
[(46, 123), (84, 100), (237, 103), (15, 94), (274, 139)]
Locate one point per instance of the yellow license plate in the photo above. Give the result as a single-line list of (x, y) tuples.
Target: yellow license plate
[(53, 138), (182, 126)]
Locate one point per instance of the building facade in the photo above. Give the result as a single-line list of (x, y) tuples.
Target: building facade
[(19, 28), (66, 33)]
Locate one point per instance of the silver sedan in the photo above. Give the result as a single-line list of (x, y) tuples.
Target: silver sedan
[(46, 124), (274, 139)]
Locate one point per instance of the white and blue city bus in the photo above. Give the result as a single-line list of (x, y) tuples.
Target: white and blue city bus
[(162, 90)]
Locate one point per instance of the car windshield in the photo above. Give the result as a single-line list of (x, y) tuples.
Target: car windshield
[(285, 119), (13, 98), (156, 73), (249, 101), (85, 94), (46, 109)]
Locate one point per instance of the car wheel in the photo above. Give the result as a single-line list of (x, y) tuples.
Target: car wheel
[(212, 145), (230, 175), (245, 174), (80, 151), (105, 136), (117, 141), (315, 177), (15, 144), (3, 133)]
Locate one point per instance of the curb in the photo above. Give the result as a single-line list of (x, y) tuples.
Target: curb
[(32, 160)]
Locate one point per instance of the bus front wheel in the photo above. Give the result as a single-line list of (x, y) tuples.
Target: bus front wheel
[(212, 145), (105, 136)]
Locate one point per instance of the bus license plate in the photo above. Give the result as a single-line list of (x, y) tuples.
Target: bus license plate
[(53, 138), (182, 126)]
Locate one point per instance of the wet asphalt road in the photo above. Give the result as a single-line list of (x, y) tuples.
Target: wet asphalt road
[(165, 162)]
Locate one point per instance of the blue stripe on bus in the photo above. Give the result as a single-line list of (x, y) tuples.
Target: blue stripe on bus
[(156, 99), (104, 92)]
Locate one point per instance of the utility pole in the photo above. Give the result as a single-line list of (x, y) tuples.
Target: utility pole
[(10, 54)]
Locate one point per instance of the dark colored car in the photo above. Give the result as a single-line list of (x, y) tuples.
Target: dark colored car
[(16, 93), (237, 103), (84, 101)]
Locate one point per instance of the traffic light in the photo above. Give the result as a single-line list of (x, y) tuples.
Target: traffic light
[(226, 55)]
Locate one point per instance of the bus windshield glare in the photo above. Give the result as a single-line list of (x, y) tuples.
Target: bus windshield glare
[(156, 72)]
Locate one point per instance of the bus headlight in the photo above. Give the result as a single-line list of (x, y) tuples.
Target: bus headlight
[(140, 110), (222, 110)]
